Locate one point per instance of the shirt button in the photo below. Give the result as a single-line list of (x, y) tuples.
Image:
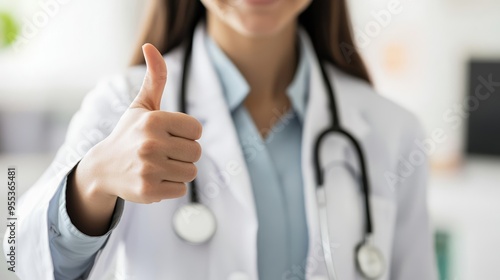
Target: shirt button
[(54, 230), (238, 275)]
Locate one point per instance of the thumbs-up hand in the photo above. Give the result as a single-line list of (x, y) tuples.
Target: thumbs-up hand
[(150, 154)]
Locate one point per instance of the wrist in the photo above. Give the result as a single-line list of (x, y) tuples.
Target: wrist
[(89, 206), (89, 179)]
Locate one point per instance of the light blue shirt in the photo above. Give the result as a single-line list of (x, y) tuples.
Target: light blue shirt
[(274, 166)]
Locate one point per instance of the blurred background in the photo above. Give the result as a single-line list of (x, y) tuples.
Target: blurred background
[(439, 59)]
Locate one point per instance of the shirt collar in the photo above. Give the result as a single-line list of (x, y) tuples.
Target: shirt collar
[(236, 88)]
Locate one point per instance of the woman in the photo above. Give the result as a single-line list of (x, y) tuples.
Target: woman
[(255, 75)]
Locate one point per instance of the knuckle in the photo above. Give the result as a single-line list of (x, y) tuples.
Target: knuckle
[(191, 172), (197, 129), (145, 170), (147, 193), (197, 151), (161, 77), (147, 147), (191, 124), (150, 120), (177, 190), (182, 190)]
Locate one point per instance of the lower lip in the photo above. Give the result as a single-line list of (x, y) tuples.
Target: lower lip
[(260, 2)]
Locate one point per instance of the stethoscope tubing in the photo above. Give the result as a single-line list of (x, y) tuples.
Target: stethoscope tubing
[(334, 128)]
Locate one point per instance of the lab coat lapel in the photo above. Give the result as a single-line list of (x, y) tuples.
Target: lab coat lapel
[(318, 119), (219, 141)]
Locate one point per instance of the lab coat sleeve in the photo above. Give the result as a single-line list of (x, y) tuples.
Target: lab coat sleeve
[(413, 254), (98, 115)]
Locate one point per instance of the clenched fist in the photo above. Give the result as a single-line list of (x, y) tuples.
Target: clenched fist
[(148, 157), (150, 154)]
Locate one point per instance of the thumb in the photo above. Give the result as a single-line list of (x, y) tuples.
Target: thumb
[(149, 96)]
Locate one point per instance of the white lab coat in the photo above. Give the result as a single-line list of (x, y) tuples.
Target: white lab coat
[(144, 245)]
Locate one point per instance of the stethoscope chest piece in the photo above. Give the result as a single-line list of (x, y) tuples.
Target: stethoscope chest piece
[(194, 223), (370, 260)]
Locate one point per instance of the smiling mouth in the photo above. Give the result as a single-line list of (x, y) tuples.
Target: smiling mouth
[(259, 2)]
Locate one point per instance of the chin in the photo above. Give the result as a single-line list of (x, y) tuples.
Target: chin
[(259, 27)]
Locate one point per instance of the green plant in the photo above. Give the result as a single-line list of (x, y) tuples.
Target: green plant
[(9, 29)]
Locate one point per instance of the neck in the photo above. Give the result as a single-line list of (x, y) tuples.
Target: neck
[(268, 63)]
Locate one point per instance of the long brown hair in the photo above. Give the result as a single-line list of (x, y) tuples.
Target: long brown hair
[(171, 22)]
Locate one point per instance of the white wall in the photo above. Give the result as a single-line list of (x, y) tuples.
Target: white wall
[(66, 46), (419, 59)]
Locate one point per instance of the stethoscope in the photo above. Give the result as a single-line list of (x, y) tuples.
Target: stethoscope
[(196, 224)]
